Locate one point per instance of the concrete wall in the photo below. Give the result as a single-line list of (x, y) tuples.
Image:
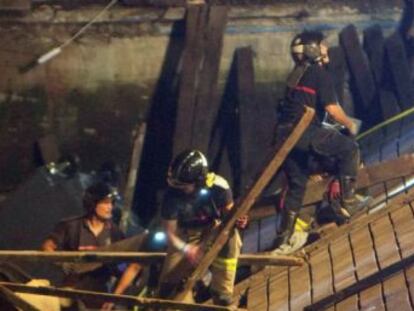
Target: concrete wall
[(94, 93)]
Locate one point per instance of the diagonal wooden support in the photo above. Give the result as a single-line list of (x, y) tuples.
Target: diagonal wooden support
[(104, 297), (219, 237)]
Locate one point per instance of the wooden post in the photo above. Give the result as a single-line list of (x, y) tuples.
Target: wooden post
[(132, 175), (104, 297), (220, 236), (87, 260)]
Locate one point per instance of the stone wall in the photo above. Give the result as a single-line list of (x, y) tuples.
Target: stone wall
[(93, 94)]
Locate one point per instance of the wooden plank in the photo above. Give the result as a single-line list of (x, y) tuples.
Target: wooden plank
[(321, 275), (84, 259), (364, 254), (367, 176), (403, 225), (257, 295), (386, 273), (219, 237), (348, 304), (399, 68), (372, 299), (104, 297), (191, 59), (343, 266), (279, 291), (300, 287), (158, 144), (359, 69), (253, 135), (130, 185), (337, 68), (384, 242), (409, 273), (207, 100), (389, 150), (374, 47), (48, 149), (396, 293), (372, 176), (267, 233)]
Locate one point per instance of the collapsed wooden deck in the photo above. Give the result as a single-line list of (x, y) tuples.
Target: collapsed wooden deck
[(364, 265)]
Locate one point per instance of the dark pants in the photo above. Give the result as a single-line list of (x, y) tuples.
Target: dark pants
[(316, 142)]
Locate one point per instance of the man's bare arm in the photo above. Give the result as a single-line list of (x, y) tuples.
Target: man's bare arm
[(339, 115), (49, 245)]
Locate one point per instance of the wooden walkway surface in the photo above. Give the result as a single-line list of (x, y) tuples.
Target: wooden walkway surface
[(363, 265), (342, 260)]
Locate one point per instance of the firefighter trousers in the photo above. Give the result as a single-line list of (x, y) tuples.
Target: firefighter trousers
[(223, 268)]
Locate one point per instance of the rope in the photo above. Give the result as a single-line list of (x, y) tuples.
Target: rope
[(52, 53), (386, 122)]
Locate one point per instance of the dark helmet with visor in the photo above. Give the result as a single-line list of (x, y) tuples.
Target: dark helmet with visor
[(189, 167), (305, 47), (96, 193)]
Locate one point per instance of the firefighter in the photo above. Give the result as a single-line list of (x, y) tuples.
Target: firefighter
[(309, 84), (195, 201)]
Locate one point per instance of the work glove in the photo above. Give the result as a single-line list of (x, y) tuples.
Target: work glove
[(334, 190), (353, 130), (193, 253)]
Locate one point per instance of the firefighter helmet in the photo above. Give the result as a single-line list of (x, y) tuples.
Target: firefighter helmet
[(94, 194), (306, 47), (189, 167)]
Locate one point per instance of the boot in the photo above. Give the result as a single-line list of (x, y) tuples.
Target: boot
[(352, 202), (287, 227)]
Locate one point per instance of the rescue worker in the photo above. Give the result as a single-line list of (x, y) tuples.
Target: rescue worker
[(88, 232), (193, 204), (309, 84)]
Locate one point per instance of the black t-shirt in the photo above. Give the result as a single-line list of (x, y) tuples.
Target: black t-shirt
[(74, 235), (199, 208), (315, 89)]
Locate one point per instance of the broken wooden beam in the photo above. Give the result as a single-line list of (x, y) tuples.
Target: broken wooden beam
[(15, 300), (85, 258), (105, 297), (220, 236), (367, 177)]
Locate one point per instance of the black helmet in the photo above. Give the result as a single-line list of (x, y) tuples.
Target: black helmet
[(306, 46), (95, 193), (189, 167)]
